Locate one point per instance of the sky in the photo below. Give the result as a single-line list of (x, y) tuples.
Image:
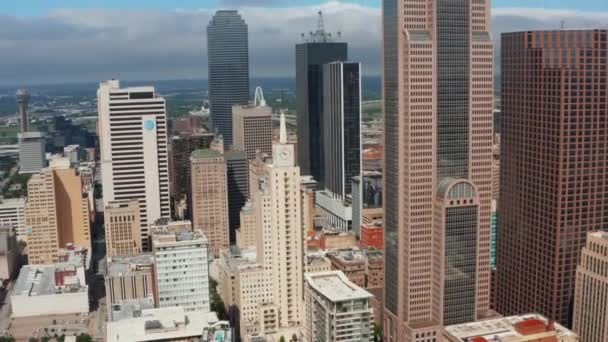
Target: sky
[(56, 41)]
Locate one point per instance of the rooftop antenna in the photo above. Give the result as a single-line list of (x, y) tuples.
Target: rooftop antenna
[(320, 23), (259, 100), (562, 24)]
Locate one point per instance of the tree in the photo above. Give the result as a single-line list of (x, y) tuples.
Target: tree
[(7, 339), (33, 339), (282, 339), (217, 304), (84, 338), (377, 332)]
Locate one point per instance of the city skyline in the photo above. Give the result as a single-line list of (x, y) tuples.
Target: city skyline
[(86, 53)]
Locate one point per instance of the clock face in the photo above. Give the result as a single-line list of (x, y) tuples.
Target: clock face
[(284, 153)]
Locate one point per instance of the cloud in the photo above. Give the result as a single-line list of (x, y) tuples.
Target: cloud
[(96, 44)]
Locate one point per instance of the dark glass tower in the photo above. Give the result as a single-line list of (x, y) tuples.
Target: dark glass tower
[(341, 126), (315, 51), (237, 169), (228, 53)]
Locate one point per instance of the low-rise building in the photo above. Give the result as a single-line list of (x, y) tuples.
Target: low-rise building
[(372, 230), (336, 309), (170, 324), (529, 328), (50, 290), (336, 239), (362, 266), (316, 263), (128, 278)]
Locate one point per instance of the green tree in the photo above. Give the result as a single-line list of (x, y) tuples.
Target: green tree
[(7, 339), (33, 339), (282, 339), (217, 304), (84, 338), (377, 332)]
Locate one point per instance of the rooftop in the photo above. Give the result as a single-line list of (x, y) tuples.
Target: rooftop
[(40, 280), (12, 202), (512, 328), (129, 264), (170, 323), (131, 308), (599, 235), (205, 153), (335, 286), (162, 236)]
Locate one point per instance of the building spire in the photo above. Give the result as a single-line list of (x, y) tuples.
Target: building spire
[(283, 130)]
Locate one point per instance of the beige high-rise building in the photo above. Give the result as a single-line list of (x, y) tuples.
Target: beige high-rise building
[(276, 199), (438, 103), (56, 213), (252, 129), (591, 294), (246, 234), (210, 198), (123, 228)]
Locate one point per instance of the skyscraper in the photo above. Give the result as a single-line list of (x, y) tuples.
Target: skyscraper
[(56, 213), (182, 147), (316, 49), (228, 58), (438, 94), (553, 162), (23, 100), (123, 228), (32, 153), (133, 142), (341, 126), (237, 177), (210, 198), (591, 296), (252, 129)]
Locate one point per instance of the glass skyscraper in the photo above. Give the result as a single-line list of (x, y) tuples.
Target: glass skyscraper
[(228, 53)]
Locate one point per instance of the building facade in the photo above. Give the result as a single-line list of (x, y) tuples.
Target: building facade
[(246, 234), (252, 129), (311, 54), (182, 147), (123, 228), (553, 134), (132, 130), (341, 126), (210, 198), (128, 278), (181, 269), (9, 252), (12, 213), (32, 152), (228, 58), (337, 309), (237, 173), (438, 101), (591, 295)]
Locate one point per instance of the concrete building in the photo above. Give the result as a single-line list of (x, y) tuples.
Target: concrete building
[(23, 99), (128, 278), (308, 188), (237, 176), (366, 194), (252, 129), (123, 228), (228, 58), (181, 269), (56, 289), (334, 212), (275, 193), (591, 295), (372, 228), (12, 213), (552, 167), (438, 124), (317, 49), (341, 126), (333, 239), (73, 153), (246, 234), (315, 263), (9, 253), (56, 195), (210, 198), (133, 143), (337, 309), (182, 147), (32, 153), (170, 324), (528, 328)]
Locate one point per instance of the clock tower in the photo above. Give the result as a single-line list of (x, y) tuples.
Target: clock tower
[(283, 153)]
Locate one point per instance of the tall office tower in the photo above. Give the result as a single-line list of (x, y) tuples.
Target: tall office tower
[(252, 129), (228, 55), (337, 309), (181, 269), (56, 214), (237, 176), (275, 193), (23, 100), (552, 149), (591, 295), (32, 152), (210, 198), (316, 49), (123, 228), (341, 126), (12, 213), (132, 130), (182, 147), (438, 94)]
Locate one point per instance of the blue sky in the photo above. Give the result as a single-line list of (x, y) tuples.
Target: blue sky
[(38, 7)]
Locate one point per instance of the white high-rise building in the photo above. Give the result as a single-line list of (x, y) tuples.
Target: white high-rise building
[(12, 213), (337, 309), (276, 198), (182, 269), (132, 130)]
